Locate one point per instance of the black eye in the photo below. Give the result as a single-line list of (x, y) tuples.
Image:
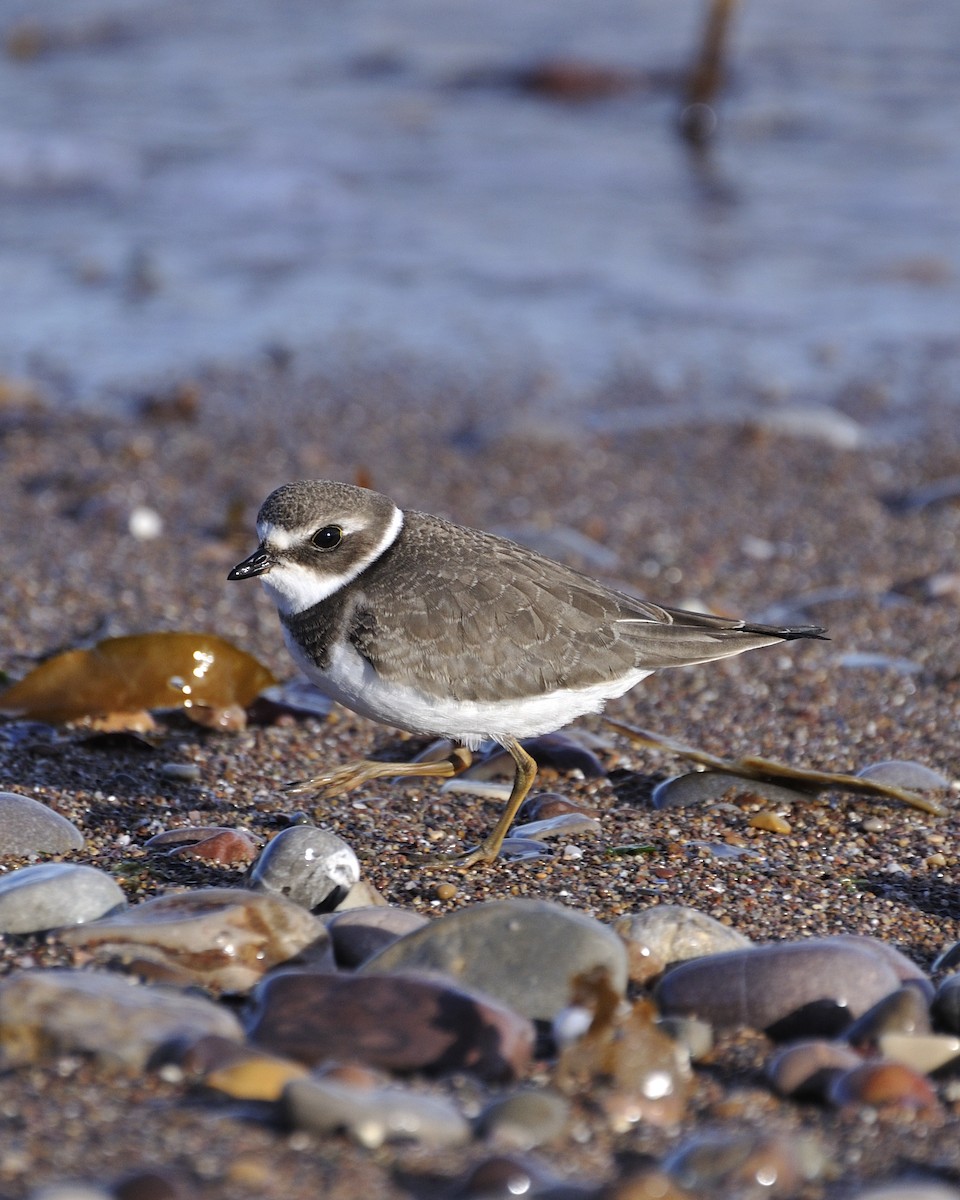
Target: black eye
[(327, 538)]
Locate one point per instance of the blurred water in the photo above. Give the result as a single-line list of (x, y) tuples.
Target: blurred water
[(186, 183)]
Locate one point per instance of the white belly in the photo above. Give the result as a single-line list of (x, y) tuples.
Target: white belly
[(351, 680)]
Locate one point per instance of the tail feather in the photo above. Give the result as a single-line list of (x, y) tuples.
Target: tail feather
[(684, 638)]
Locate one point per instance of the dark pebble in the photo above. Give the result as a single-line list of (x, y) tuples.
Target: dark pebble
[(393, 1022)]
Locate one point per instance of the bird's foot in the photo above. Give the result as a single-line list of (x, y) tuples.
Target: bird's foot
[(365, 770)]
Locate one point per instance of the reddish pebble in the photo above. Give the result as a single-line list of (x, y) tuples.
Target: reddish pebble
[(881, 1085)]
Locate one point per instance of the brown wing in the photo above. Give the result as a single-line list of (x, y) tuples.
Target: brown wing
[(471, 615)]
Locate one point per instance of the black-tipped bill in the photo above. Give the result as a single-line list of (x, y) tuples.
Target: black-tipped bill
[(257, 564)]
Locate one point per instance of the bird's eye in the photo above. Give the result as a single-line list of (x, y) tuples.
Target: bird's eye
[(327, 538)]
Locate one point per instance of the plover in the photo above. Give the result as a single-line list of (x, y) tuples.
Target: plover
[(440, 629)]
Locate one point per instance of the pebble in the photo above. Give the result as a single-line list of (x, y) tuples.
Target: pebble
[(359, 933), (905, 774), (946, 1004), (544, 805), (670, 933), (827, 425), (507, 1175), (881, 1084), (523, 953), (391, 1022), (154, 1184), (254, 1075), (744, 1163), (524, 1119), (312, 867), (805, 1069), (706, 787), (373, 1115), (211, 843), (793, 989), (53, 895), (220, 938), (909, 1189), (904, 1011), (72, 1191), (925, 1053), (45, 1013), (184, 772), (770, 822), (29, 827)]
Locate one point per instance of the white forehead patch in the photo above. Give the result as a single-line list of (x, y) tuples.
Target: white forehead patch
[(294, 587)]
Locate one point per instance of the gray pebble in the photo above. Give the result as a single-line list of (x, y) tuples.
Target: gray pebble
[(905, 1011), (705, 787), (45, 1013), (373, 1115), (360, 933), (946, 1005), (52, 895), (524, 1119), (312, 867), (29, 827), (795, 989), (905, 774), (524, 953), (71, 1191), (805, 1069)]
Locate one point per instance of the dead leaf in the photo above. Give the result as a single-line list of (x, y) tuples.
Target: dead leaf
[(149, 670)]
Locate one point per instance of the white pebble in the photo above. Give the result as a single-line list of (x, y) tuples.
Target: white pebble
[(144, 523)]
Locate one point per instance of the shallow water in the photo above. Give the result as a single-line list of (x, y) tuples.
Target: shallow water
[(360, 183)]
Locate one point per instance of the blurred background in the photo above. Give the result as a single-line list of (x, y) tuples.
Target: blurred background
[(485, 194)]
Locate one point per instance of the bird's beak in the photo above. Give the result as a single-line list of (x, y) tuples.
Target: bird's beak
[(259, 562)]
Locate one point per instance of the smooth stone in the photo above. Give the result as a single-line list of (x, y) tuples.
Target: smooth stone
[(220, 938), (508, 1175), (72, 1191), (523, 953), (794, 989), (390, 1022), (905, 969), (545, 805), (946, 1004), (359, 933), (670, 933), (312, 867), (706, 787), (254, 1075), (878, 1084), (524, 1119), (909, 1189), (45, 1013), (362, 895), (53, 895), (728, 1162), (905, 1011), (805, 1069), (948, 958), (29, 827), (906, 774), (925, 1053), (695, 1037), (373, 1116), (213, 843), (155, 1183)]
